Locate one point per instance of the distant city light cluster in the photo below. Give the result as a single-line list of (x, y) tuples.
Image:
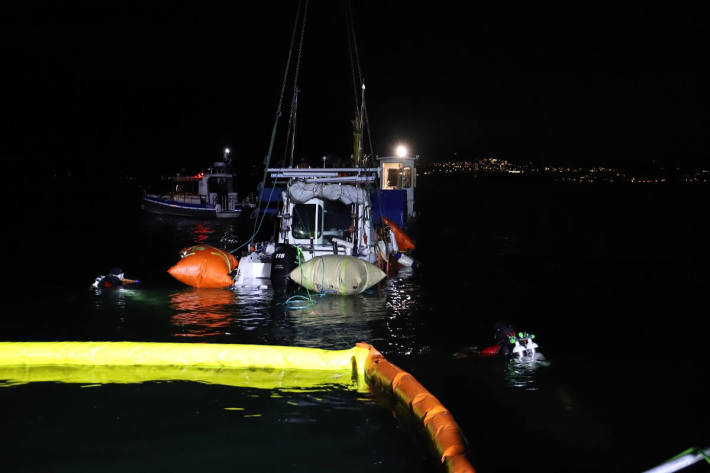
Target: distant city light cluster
[(594, 175), (485, 165)]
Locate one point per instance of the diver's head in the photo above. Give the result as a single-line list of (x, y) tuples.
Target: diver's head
[(503, 330)]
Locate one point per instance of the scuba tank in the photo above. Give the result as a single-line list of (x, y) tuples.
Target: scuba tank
[(283, 261)]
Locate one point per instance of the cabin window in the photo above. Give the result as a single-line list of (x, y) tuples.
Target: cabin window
[(304, 221), (392, 175), (336, 220), (183, 187), (407, 177), (393, 178), (220, 185)]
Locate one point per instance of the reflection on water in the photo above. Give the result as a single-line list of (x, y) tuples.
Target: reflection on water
[(403, 297), (334, 321), (202, 312), (520, 373), (201, 233), (180, 232), (116, 297)]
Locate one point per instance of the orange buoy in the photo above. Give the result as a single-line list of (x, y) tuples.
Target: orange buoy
[(204, 266), (404, 243)]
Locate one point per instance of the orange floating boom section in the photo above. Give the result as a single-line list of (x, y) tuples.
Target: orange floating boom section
[(404, 243), (438, 422)]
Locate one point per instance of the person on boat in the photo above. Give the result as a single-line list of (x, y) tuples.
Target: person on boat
[(114, 279)]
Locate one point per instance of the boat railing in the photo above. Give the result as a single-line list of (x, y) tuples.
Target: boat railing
[(326, 175), (186, 198), (226, 202)]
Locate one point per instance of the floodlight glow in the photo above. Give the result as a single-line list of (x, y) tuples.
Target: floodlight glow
[(226, 151), (401, 151)]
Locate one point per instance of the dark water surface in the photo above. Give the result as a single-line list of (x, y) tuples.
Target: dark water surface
[(611, 279)]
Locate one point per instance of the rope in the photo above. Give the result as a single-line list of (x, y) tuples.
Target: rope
[(291, 131), (288, 61), (297, 302), (352, 44), (300, 46), (291, 134), (256, 231), (366, 125), (351, 55), (358, 81), (267, 160)]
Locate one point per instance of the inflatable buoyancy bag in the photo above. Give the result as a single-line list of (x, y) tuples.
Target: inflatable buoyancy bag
[(403, 241), (283, 261), (337, 274), (204, 266)]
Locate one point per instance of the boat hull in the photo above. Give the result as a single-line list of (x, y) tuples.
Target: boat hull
[(162, 206)]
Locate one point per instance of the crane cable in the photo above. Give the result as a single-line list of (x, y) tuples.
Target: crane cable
[(358, 81), (267, 160)]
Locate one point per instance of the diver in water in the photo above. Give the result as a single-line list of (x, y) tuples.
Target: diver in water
[(509, 343), (114, 279)]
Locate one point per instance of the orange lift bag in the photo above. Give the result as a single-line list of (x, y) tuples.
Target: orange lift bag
[(204, 266)]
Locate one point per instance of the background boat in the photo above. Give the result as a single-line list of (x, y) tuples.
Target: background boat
[(209, 194)]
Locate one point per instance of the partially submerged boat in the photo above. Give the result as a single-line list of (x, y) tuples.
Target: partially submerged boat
[(332, 211)]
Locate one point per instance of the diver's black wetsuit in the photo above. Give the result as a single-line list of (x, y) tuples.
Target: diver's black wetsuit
[(503, 332)]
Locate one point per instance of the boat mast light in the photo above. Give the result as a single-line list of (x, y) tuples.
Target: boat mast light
[(401, 151)]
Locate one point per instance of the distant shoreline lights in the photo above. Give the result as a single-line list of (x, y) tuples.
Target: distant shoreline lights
[(599, 174)]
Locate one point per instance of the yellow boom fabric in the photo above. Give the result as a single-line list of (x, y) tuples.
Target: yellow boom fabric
[(283, 380), (213, 355)]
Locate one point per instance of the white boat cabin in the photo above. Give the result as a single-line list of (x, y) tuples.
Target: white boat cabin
[(325, 211)]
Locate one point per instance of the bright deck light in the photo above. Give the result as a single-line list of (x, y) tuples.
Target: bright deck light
[(401, 151)]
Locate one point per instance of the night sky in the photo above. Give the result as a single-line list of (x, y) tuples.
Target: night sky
[(140, 88)]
